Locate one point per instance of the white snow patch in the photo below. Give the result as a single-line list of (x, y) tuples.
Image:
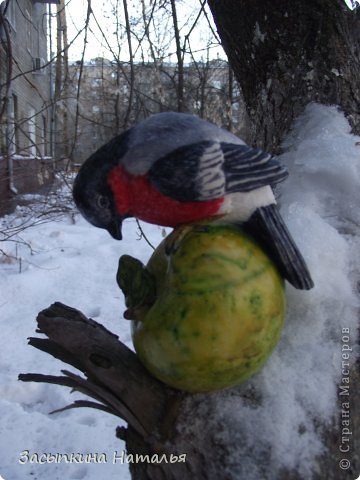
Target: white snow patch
[(258, 35)]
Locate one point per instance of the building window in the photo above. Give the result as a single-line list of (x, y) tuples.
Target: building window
[(29, 29), (44, 149), (11, 13), (96, 82), (216, 84), (13, 129), (32, 132), (2, 140)]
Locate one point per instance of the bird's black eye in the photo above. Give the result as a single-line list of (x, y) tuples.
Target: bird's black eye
[(102, 202)]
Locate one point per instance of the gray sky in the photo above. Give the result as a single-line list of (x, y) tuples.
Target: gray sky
[(161, 31)]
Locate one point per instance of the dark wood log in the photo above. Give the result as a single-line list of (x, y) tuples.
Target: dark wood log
[(119, 384)]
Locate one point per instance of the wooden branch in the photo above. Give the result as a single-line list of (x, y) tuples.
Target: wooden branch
[(120, 385), (114, 376)]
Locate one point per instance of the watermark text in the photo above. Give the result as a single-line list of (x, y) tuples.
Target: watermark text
[(117, 457)]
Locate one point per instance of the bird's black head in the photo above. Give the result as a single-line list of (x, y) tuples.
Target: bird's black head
[(91, 191)]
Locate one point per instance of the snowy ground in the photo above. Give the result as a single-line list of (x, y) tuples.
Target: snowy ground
[(75, 263)]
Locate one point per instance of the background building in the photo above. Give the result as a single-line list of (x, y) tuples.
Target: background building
[(105, 97), (25, 91)]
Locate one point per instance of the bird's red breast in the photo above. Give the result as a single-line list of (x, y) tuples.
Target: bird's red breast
[(135, 196)]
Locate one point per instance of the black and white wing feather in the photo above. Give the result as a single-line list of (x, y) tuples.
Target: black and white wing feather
[(268, 227), (208, 170)]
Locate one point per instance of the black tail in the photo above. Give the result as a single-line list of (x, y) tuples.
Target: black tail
[(267, 226)]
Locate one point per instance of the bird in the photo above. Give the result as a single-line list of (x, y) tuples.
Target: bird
[(174, 169)]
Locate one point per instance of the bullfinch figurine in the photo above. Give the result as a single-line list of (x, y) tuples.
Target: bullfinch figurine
[(175, 168)]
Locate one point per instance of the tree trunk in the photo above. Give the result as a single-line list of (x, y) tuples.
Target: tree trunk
[(66, 79), (287, 54), (132, 68), (59, 59), (180, 60)]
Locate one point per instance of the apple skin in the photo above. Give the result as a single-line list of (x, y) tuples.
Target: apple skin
[(218, 310)]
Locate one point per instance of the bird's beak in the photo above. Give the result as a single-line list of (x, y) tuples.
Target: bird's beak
[(114, 229)]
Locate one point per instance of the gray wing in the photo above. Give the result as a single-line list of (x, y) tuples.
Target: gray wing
[(208, 170)]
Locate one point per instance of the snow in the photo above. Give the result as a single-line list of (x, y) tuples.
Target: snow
[(70, 261), (75, 264), (258, 35)]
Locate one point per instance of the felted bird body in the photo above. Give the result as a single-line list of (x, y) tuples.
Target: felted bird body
[(173, 169)]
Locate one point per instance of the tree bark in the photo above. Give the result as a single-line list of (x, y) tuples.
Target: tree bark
[(180, 60), (287, 54), (65, 72)]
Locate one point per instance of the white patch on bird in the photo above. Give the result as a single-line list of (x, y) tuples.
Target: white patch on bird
[(238, 207)]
